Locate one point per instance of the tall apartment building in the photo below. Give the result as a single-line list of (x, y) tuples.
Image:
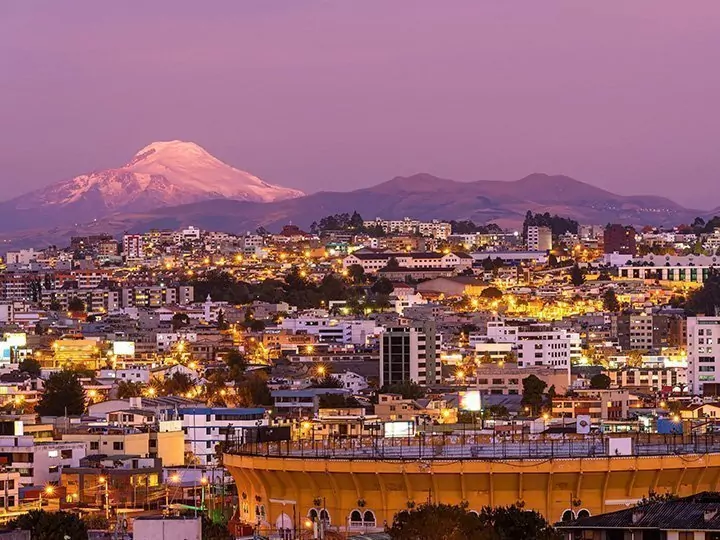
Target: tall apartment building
[(641, 331), (157, 296), (539, 238), (410, 352), (703, 350), (94, 299), (619, 239), (133, 246)]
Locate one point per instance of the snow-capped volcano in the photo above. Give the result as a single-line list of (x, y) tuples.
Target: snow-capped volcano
[(161, 174)]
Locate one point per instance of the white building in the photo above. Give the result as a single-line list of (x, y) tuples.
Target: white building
[(21, 258), (136, 375), (372, 262), (39, 463), (352, 381), (703, 350), (435, 228), (331, 330), (165, 341), (690, 273), (539, 238), (538, 345), (410, 353), (205, 427)]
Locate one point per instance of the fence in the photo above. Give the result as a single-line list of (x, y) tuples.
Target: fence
[(454, 446)]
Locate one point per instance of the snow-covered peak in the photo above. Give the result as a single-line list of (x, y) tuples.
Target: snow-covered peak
[(164, 173), (172, 151)]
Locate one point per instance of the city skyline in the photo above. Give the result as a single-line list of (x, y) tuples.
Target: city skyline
[(337, 96)]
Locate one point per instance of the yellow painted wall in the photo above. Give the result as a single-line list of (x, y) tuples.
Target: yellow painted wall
[(601, 484)]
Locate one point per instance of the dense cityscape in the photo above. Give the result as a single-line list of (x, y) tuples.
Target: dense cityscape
[(325, 381), (359, 270)]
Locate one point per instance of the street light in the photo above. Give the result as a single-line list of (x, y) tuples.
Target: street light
[(175, 478), (103, 482), (203, 483), (49, 490)]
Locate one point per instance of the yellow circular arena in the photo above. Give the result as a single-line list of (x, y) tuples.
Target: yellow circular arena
[(358, 485)]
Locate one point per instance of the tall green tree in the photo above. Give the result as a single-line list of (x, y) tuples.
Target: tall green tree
[(576, 275), (533, 388), (63, 393), (610, 301)]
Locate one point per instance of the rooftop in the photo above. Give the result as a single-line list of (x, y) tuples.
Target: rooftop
[(694, 513)]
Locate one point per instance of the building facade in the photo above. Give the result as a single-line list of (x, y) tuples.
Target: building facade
[(410, 353)]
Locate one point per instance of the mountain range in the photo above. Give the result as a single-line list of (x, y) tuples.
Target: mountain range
[(173, 184)]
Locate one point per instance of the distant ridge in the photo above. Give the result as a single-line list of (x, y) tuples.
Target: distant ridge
[(422, 196)]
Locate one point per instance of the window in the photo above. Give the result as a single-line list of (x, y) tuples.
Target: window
[(53, 469), (686, 535), (94, 445), (118, 445), (66, 454)]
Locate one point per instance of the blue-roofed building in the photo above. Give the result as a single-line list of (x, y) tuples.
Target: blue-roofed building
[(205, 427)]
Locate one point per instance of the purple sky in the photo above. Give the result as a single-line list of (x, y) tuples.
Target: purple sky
[(342, 94)]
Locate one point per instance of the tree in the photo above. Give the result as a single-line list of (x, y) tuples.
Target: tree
[(407, 389), (706, 300), (382, 286), (635, 358), (491, 293), (179, 320), (236, 362), (96, 522), (31, 367), (600, 382), (128, 389), (610, 301), (356, 273), (76, 305), (436, 522), (328, 381), (63, 395), (654, 497), (177, 384), (533, 389), (253, 390), (576, 275), (392, 264), (212, 530), (51, 525), (514, 523), (454, 522)]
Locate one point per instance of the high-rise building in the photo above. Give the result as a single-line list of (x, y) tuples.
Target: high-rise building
[(703, 350), (133, 246), (619, 239), (539, 238), (641, 331), (411, 353)]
